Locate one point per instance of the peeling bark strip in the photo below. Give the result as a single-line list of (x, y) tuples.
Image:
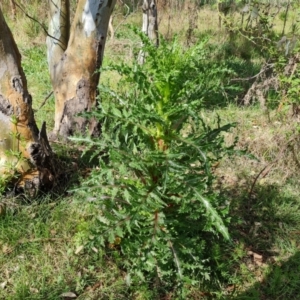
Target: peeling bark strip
[(74, 76), (19, 135)]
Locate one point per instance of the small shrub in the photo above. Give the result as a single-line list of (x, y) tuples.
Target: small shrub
[(155, 206)]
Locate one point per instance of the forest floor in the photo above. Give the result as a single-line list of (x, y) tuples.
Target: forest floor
[(41, 250)]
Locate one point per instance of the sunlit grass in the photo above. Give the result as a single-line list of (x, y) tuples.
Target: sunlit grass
[(38, 240), (38, 255)]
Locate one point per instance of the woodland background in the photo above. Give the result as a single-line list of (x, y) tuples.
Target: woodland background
[(246, 65)]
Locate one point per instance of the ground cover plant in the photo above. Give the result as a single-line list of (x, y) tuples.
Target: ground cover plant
[(153, 188), (80, 242)]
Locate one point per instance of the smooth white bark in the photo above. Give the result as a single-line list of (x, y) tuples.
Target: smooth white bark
[(76, 75)]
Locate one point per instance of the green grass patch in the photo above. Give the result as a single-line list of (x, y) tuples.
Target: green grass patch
[(38, 258), (50, 246)]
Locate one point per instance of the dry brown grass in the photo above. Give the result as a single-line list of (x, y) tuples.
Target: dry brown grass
[(273, 141)]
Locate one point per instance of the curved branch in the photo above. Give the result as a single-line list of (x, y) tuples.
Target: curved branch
[(35, 20)]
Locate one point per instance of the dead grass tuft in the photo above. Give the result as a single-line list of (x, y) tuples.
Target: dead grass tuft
[(272, 141)]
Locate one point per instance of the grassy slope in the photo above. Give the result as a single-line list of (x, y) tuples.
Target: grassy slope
[(41, 253)]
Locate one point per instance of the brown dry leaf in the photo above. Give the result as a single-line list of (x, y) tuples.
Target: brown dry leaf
[(259, 263), (34, 290), (7, 274), (33, 215), (259, 275), (251, 267), (95, 249), (6, 249), (68, 295), (271, 260), (94, 287), (230, 288), (257, 258), (79, 249)]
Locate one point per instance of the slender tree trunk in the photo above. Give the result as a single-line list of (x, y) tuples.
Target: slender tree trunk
[(59, 29), (13, 9), (74, 71), (22, 145), (150, 25)]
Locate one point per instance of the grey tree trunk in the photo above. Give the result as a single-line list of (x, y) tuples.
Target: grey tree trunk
[(150, 25)]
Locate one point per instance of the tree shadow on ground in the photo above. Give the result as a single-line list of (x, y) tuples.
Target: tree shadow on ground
[(267, 221), (231, 84), (73, 162), (282, 283)]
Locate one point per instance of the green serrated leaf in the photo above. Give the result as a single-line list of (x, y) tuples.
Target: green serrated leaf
[(116, 112)]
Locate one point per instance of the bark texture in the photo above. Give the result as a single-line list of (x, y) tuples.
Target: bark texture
[(59, 29), (74, 72), (150, 25), (74, 60), (22, 145)]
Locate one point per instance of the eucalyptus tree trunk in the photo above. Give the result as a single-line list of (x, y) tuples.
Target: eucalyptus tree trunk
[(22, 146), (150, 25), (74, 61), (75, 55)]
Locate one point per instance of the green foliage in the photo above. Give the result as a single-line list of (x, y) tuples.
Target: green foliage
[(285, 58), (154, 200), (289, 77), (39, 85), (268, 35), (38, 259), (39, 240)]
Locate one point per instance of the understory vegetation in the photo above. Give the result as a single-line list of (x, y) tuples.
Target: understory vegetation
[(192, 189)]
